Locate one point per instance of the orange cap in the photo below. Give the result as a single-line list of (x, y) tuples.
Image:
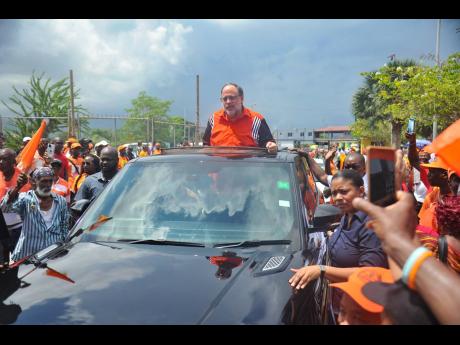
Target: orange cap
[(438, 164), (75, 145), (72, 140), (359, 278), (450, 172), (122, 147)]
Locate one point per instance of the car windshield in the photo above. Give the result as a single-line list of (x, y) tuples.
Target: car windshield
[(196, 201)]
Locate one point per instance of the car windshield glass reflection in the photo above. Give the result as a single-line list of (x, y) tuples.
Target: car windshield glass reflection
[(201, 202)]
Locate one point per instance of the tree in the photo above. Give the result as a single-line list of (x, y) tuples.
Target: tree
[(431, 91), (379, 132), (40, 99), (98, 134), (373, 101), (145, 106)]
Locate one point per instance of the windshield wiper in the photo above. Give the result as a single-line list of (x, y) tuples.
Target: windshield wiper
[(255, 243), (162, 242)]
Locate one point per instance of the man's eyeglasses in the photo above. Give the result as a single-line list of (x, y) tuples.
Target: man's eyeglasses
[(228, 98), (352, 166)]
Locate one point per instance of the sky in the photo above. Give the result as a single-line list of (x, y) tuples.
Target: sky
[(298, 73)]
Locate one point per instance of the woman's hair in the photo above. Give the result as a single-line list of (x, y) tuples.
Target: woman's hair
[(350, 175), (96, 160), (448, 216)]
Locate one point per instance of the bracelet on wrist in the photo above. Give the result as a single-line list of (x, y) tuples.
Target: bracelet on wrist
[(412, 265)]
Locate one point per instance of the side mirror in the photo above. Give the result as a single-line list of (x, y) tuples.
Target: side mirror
[(325, 215), (78, 207)]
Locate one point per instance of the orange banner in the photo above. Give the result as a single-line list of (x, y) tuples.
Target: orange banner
[(25, 159), (447, 146)]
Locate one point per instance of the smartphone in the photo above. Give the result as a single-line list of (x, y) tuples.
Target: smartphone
[(50, 150), (381, 175), (411, 126)]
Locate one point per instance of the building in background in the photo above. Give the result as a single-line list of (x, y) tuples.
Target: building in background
[(295, 137)]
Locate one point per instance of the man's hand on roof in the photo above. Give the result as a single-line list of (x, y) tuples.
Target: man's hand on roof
[(271, 147)]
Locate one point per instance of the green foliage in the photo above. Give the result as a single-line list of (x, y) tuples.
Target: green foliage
[(403, 89), (431, 91), (378, 131), (42, 98), (98, 134), (371, 101), (145, 106)]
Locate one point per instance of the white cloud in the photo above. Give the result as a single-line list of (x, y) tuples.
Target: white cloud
[(107, 63), (230, 22)]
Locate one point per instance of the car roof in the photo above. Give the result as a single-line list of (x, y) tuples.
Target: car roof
[(221, 152)]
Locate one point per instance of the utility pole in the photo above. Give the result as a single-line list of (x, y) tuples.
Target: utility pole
[(438, 62), (197, 129), (72, 110), (184, 126)]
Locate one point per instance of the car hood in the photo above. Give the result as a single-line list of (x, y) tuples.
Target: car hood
[(111, 283)]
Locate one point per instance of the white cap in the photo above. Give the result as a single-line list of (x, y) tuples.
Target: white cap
[(101, 143), (26, 139)]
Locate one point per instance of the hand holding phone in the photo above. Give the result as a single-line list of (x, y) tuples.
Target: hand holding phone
[(411, 126), (381, 175), (50, 151)]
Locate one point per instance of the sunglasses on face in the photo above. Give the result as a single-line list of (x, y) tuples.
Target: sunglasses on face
[(352, 166)]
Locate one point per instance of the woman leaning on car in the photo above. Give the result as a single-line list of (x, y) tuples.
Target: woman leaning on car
[(351, 245)]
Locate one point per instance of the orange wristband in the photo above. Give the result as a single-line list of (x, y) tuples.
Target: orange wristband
[(415, 268)]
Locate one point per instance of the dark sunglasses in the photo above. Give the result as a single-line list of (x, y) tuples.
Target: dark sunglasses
[(352, 166)]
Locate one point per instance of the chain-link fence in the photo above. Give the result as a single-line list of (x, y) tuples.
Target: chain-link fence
[(114, 129)]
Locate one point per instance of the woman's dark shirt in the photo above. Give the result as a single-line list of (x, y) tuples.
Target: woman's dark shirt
[(356, 246)]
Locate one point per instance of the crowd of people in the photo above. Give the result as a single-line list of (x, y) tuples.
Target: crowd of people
[(394, 265), (36, 204), (372, 281)]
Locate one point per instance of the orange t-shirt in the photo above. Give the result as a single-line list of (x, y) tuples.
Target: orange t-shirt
[(5, 186), (75, 163), (235, 133), (427, 213), (122, 162), (61, 187), (333, 168), (77, 183)]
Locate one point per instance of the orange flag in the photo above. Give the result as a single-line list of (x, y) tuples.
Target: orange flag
[(25, 159), (102, 219), (447, 146), (53, 273)]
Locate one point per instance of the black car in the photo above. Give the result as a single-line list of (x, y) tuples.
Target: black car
[(193, 236)]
